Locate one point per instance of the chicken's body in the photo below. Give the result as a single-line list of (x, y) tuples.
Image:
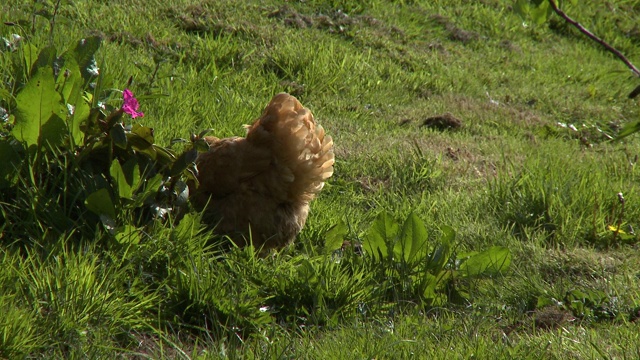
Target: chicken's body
[(264, 182)]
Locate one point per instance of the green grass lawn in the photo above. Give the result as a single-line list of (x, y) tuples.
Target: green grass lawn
[(531, 169)]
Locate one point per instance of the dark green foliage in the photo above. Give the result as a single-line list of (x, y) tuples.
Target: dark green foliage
[(417, 269), (68, 150)]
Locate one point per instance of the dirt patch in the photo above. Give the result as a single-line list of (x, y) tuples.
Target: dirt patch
[(454, 33), (293, 88), (551, 317), (443, 122), (335, 21), (200, 19), (547, 318), (165, 48)]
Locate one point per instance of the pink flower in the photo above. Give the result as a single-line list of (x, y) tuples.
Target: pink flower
[(130, 105)]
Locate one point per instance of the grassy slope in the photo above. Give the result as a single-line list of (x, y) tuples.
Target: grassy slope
[(371, 77)]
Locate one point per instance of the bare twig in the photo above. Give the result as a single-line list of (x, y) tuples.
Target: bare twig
[(595, 38)]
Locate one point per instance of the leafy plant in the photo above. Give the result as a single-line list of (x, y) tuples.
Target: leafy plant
[(411, 268), (586, 304), (66, 140)]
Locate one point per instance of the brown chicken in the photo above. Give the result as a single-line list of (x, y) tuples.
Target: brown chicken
[(258, 188)]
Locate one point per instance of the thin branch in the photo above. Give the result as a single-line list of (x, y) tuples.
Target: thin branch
[(593, 37)]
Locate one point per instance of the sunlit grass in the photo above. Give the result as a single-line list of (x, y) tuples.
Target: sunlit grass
[(372, 72)]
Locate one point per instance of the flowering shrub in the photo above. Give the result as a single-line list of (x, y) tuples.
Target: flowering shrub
[(130, 104), (64, 140)]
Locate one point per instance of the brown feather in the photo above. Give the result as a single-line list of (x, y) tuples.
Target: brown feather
[(264, 182)]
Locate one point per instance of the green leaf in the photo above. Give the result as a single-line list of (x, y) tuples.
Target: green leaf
[(68, 76), (164, 156), (29, 57), (144, 132), (543, 301), (412, 240), (383, 230), (492, 261), (443, 251), (334, 238), (132, 173), (100, 203), (128, 235), (38, 104), (140, 144), (521, 7), (79, 118), (184, 161), (201, 145), (432, 294), (537, 11), (71, 86), (151, 188), (629, 129), (84, 55), (118, 135), (126, 177), (45, 60), (11, 159)]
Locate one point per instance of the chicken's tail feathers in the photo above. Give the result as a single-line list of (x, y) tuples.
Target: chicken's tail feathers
[(302, 151)]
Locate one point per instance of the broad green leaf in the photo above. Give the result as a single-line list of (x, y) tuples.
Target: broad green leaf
[(45, 60), (84, 55), (79, 117), (433, 294), (630, 128), (54, 131), (68, 76), (124, 185), (144, 132), (100, 203), (521, 7), (30, 55), (118, 135), (412, 240), (150, 190), (10, 161), (38, 103), (132, 173), (184, 161), (334, 238), (443, 251), (492, 261), (537, 11), (140, 144), (71, 86), (383, 230), (540, 13), (128, 235), (543, 301), (201, 145)]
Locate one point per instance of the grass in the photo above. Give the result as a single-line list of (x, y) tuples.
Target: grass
[(371, 72)]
